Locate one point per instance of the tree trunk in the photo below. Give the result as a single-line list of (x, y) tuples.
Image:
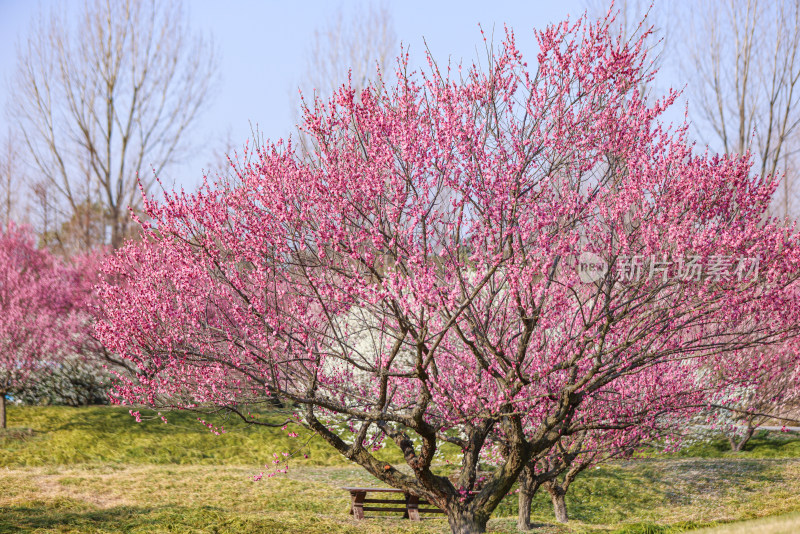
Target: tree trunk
[(524, 514), (559, 502), (738, 445), (463, 522), (528, 485), (560, 507), (2, 410)]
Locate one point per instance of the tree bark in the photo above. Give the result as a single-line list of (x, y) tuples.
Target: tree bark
[(524, 514), (557, 494), (464, 522), (559, 507), (528, 485), (2, 410)]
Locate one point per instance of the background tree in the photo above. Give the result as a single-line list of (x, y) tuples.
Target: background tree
[(40, 321), (418, 274), (744, 72), (352, 48), (757, 387), (102, 101), (740, 59), (11, 180), (82, 373)]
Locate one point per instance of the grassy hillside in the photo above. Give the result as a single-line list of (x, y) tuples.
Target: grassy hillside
[(95, 470), (56, 435)]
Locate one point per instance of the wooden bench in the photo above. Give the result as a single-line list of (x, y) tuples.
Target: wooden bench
[(410, 503)]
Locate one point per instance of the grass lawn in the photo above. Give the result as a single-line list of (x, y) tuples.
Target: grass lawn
[(93, 470)]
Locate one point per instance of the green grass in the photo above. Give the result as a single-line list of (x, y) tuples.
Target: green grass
[(47, 435), (762, 445), (95, 470)]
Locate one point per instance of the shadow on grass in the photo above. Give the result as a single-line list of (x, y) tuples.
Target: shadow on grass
[(33, 517), (66, 515), (48, 517), (16, 434)]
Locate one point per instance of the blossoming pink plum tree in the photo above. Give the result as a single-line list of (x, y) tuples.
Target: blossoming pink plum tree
[(39, 322), (753, 388), (416, 275)]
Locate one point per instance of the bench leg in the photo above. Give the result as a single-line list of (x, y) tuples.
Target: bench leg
[(412, 505), (357, 506)]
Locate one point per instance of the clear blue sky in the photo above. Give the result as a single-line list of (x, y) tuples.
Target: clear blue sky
[(263, 48)]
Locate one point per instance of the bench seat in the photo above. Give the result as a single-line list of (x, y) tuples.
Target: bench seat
[(410, 503)]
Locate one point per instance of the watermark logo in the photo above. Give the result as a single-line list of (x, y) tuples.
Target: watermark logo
[(591, 267), (716, 268)]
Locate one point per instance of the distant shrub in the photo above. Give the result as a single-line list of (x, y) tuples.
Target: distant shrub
[(71, 382)]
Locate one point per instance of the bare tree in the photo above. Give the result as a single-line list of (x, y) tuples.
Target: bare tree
[(350, 49), (11, 208), (105, 102), (745, 71)]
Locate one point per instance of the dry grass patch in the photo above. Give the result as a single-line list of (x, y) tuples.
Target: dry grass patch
[(785, 524)]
